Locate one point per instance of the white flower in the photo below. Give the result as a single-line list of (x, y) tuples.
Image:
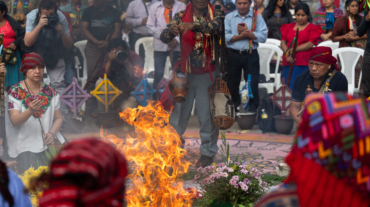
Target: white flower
[(244, 171), (230, 170), (219, 170), (225, 175)]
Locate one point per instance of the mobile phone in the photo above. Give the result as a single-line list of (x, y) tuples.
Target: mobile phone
[(242, 24)]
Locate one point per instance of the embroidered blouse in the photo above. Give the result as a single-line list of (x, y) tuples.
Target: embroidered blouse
[(319, 18), (28, 136)]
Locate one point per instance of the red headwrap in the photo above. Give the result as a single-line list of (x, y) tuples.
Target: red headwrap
[(87, 172), (30, 60), (324, 55), (188, 40)]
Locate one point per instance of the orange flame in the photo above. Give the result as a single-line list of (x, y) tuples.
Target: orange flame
[(138, 71), (158, 159)]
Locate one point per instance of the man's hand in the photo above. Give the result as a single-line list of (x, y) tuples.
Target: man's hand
[(368, 16), (246, 34), (175, 29), (102, 44), (172, 44), (2, 68), (186, 26), (241, 28), (112, 55), (12, 46), (49, 139), (143, 21), (43, 21), (59, 28)]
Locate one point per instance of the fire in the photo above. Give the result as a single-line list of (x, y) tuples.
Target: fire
[(157, 157), (138, 71)]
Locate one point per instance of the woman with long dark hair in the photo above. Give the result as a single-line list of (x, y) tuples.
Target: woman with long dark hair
[(219, 2), (345, 29), (275, 15), (325, 17), (308, 37), (13, 37), (291, 4)]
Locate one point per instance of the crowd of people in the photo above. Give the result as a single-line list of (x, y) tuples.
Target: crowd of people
[(42, 35)]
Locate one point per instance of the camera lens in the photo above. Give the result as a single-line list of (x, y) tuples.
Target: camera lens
[(53, 23), (121, 56)]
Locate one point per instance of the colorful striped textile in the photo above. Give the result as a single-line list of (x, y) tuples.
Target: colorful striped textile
[(87, 172), (319, 18), (330, 160)]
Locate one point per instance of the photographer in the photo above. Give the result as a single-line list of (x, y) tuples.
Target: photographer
[(119, 65), (47, 33)]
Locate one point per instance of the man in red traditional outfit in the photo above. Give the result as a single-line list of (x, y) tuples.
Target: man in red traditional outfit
[(198, 25)]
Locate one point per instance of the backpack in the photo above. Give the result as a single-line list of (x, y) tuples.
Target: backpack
[(267, 124)]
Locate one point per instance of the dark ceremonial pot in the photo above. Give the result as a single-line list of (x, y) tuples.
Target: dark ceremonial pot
[(283, 126), (179, 86)]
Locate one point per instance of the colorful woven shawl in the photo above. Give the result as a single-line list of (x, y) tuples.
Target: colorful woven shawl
[(330, 160)]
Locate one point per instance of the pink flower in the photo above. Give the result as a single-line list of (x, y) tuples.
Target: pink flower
[(236, 178), (244, 187), (230, 170), (196, 177), (232, 182), (246, 181), (199, 169), (236, 186), (225, 175)]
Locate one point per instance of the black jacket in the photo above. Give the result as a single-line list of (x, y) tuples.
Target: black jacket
[(18, 30), (363, 29)]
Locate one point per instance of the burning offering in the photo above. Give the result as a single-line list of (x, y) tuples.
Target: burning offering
[(158, 159)]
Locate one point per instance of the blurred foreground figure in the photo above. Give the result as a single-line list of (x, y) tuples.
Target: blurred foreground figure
[(12, 189), (330, 159), (87, 172)]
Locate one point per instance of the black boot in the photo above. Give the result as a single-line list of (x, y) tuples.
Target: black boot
[(204, 161)]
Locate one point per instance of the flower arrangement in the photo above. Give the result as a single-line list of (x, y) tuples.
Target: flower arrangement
[(28, 177), (230, 181)]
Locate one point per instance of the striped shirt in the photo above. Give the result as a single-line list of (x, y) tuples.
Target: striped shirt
[(319, 18)]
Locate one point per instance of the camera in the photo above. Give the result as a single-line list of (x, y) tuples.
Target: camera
[(53, 20), (121, 56)]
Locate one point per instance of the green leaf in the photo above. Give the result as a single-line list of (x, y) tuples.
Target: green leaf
[(240, 205), (45, 161), (52, 151), (48, 155)]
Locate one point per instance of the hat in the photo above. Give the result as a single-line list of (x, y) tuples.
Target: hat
[(324, 55), (29, 61)]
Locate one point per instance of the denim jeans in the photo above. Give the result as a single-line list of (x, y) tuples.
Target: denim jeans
[(160, 63), (69, 73)]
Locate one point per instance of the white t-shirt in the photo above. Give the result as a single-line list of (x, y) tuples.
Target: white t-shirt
[(28, 136)]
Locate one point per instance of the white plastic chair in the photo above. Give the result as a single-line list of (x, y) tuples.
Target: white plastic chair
[(266, 52), (82, 78), (331, 44), (147, 42), (46, 78), (349, 57), (273, 42)]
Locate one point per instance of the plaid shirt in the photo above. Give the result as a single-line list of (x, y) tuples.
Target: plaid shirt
[(31, 17)]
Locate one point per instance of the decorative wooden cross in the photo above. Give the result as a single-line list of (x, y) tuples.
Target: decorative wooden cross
[(282, 98), (96, 92), (144, 91), (74, 96)]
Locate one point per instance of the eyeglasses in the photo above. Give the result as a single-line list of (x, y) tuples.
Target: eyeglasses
[(311, 64)]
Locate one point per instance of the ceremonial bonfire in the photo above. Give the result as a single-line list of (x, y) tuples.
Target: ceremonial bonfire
[(157, 159)]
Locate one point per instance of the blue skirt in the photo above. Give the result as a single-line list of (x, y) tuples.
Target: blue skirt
[(296, 71), (13, 74)]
